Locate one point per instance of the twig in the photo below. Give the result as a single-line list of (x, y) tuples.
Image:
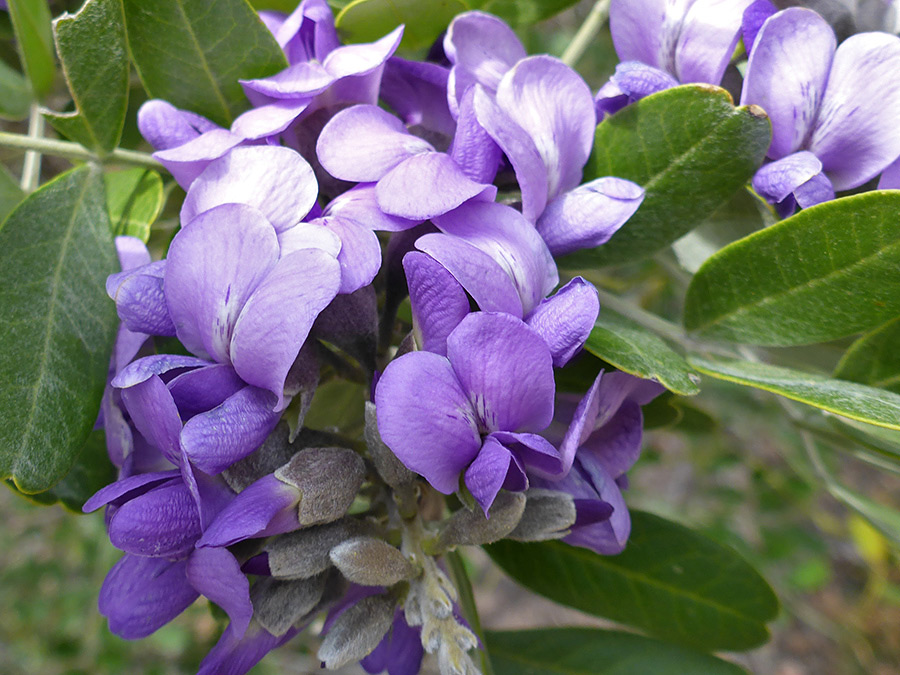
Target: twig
[(588, 31), (69, 150)]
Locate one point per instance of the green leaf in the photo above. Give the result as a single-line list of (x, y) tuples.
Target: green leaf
[(368, 20), (134, 199), (56, 251), (827, 272), (10, 193), (590, 651), (193, 52), (94, 55), (15, 99), (874, 359), (690, 149), (670, 582), (884, 518), (634, 349), (31, 21), (848, 399), (521, 13)]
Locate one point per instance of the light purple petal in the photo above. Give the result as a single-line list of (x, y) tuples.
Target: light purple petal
[(360, 255), (308, 33), (276, 180), (162, 523), (816, 190), (581, 425), (277, 317), (216, 574), (505, 369), (787, 75), (616, 445), (300, 81), (360, 204), (164, 126), (487, 472), (438, 302), (778, 179), (131, 252), (271, 19), (213, 267), (363, 143), (201, 389), (417, 92), (140, 595), (566, 319), (128, 488), (154, 414), (890, 177), (359, 59), (856, 134), (709, 34), (589, 215), (425, 186), (186, 162), (641, 32), (157, 364), (217, 439), (637, 80), (426, 419), (309, 235), (251, 512), (473, 150), (555, 107), (269, 119)]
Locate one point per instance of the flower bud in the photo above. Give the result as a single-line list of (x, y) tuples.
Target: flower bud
[(273, 453), (548, 515), (371, 562), (357, 631), (304, 553), (467, 527), (328, 480), (386, 463), (278, 605)]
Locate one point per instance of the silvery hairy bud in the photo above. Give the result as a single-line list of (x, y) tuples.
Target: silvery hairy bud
[(275, 451), (368, 561), (278, 605), (328, 480), (304, 553), (467, 527), (386, 463), (548, 515), (357, 631)]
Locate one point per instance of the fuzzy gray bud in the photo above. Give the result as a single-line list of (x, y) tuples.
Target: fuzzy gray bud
[(467, 527), (278, 605), (368, 561), (328, 480), (273, 453), (357, 631), (386, 463), (304, 553), (548, 515)]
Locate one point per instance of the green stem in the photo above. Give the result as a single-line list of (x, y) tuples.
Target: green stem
[(69, 150), (655, 323), (467, 599), (586, 34), (31, 167)]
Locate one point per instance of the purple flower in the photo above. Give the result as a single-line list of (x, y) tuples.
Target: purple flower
[(473, 411), (835, 103)]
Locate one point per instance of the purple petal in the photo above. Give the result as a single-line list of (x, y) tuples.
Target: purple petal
[(204, 388), (127, 488), (251, 512), (487, 472), (607, 537), (566, 319), (131, 252), (363, 143), (641, 32), (269, 119), (405, 651), (589, 215), (780, 178), (506, 370), (216, 439), (300, 81), (425, 186), (359, 59), (186, 162), (216, 574), (637, 80), (856, 134), (616, 445), (157, 364), (555, 107), (787, 75), (533, 451), (360, 204), (213, 267), (276, 180), (890, 178), (161, 523), (140, 595), (360, 255), (438, 302), (309, 235), (709, 34), (581, 425), (426, 419), (417, 92), (816, 190), (754, 17), (154, 414), (234, 655), (141, 301), (308, 33), (473, 150), (165, 126), (277, 317)]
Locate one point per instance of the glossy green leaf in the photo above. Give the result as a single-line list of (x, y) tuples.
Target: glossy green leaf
[(830, 271), (134, 198), (193, 52), (15, 99), (848, 399), (590, 651), (368, 20), (56, 251), (670, 582), (10, 193), (690, 149), (874, 359), (94, 55), (520, 13), (636, 350), (31, 21)]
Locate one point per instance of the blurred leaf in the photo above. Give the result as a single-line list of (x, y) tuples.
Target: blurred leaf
[(134, 198), (869, 541), (338, 404), (856, 401), (590, 651), (193, 52), (94, 54), (884, 518), (15, 99), (368, 20), (827, 272), (661, 412), (810, 575), (10, 193), (670, 581), (884, 440), (874, 359), (521, 13), (31, 21), (636, 350), (690, 149), (56, 251)]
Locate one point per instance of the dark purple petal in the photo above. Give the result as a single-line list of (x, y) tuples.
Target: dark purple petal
[(161, 523), (417, 92), (186, 162), (405, 652), (141, 301), (473, 150), (204, 388), (754, 17), (140, 595), (487, 472), (506, 370), (565, 320), (270, 119), (589, 215), (276, 318), (616, 445), (216, 439), (581, 425), (216, 574), (360, 204), (438, 302), (128, 488), (360, 255), (709, 34), (787, 75), (534, 452), (609, 536), (359, 59), (363, 143), (213, 267), (154, 414), (235, 655), (426, 419)]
